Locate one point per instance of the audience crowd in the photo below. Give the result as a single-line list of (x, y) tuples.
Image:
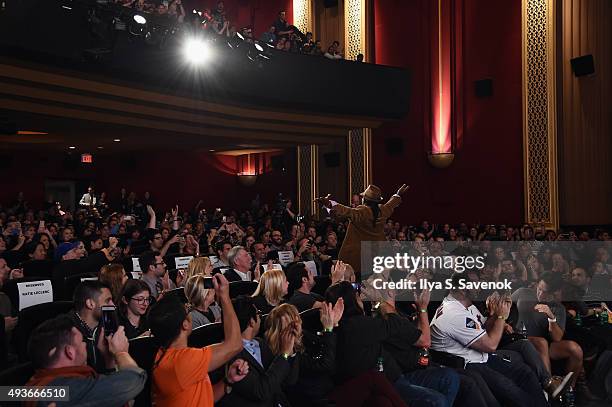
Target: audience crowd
[(292, 326), (215, 21)]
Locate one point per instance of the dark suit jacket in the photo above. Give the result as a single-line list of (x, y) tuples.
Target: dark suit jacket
[(231, 275), (262, 386)]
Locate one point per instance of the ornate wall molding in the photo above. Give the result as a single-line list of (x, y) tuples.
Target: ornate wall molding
[(360, 160), (303, 15), (355, 34), (356, 39), (307, 179), (539, 113)]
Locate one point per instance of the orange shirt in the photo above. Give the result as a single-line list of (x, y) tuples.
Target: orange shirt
[(181, 378)]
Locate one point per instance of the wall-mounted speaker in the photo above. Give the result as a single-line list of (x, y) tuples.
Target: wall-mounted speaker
[(483, 88), (394, 146), (584, 65), (332, 160)]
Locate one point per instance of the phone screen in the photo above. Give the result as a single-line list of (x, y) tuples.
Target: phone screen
[(109, 319)]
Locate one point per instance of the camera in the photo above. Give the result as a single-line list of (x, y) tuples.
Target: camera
[(208, 282)]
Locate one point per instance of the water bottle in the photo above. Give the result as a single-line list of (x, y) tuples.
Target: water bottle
[(578, 319), (523, 330), (603, 317), (423, 358), (380, 364)]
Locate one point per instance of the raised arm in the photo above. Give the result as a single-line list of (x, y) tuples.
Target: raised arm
[(232, 342), (152, 217)]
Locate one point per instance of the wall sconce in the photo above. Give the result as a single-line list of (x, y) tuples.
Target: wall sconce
[(442, 106), (248, 176)]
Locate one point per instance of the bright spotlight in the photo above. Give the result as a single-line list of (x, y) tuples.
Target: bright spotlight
[(140, 19), (196, 51), (259, 47)]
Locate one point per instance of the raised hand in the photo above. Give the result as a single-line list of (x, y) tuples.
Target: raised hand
[(403, 189), (237, 371), (422, 300), (175, 212), (287, 341), (221, 286), (545, 309), (325, 201), (150, 210), (338, 310), (326, 315), (337, 271)]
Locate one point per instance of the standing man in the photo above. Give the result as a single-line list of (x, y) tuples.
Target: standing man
[(367, 221), (88, 200)]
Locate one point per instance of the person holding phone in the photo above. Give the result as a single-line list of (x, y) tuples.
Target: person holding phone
[(59, 355), (180, 373), (89, 297), (201, 298)]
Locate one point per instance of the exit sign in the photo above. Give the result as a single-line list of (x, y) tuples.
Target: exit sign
[(86, 158)]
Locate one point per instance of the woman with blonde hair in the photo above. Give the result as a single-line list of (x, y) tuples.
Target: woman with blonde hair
[(113, 275), (202, 302), (314, 351), (199, 265), (283, 320), (271, 290)]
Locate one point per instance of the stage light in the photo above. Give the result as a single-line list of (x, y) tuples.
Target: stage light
[(140, 19), (72, 147), (196, 51), (117, 140), (259, 47)]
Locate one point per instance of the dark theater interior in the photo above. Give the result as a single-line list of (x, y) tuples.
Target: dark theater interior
[(306, 203)]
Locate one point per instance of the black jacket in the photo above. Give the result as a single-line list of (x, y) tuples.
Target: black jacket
[(262, 387), (90, 337), (317, 364), (361, 340), (231, 275)]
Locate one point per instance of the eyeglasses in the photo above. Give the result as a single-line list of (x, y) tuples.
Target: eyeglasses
[(141, 300), (157, 238)]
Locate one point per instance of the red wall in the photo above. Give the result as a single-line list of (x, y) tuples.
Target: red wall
[(485, 182), (257, 13), (175, 177)]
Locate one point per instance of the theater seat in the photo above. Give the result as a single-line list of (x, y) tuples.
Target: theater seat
[(311, 320), (16, 375), (321, 284), (237, 288), (143, 351), (38, 269), (447, 359), (30, 318), (177, 292), (70, 284), (206, 335)]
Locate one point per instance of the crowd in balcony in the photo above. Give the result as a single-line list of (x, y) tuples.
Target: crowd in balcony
[(295, 332), (280, 34)]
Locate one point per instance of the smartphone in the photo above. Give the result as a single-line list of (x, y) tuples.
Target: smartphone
[(109, 319), (208, 282), (224, 219)]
